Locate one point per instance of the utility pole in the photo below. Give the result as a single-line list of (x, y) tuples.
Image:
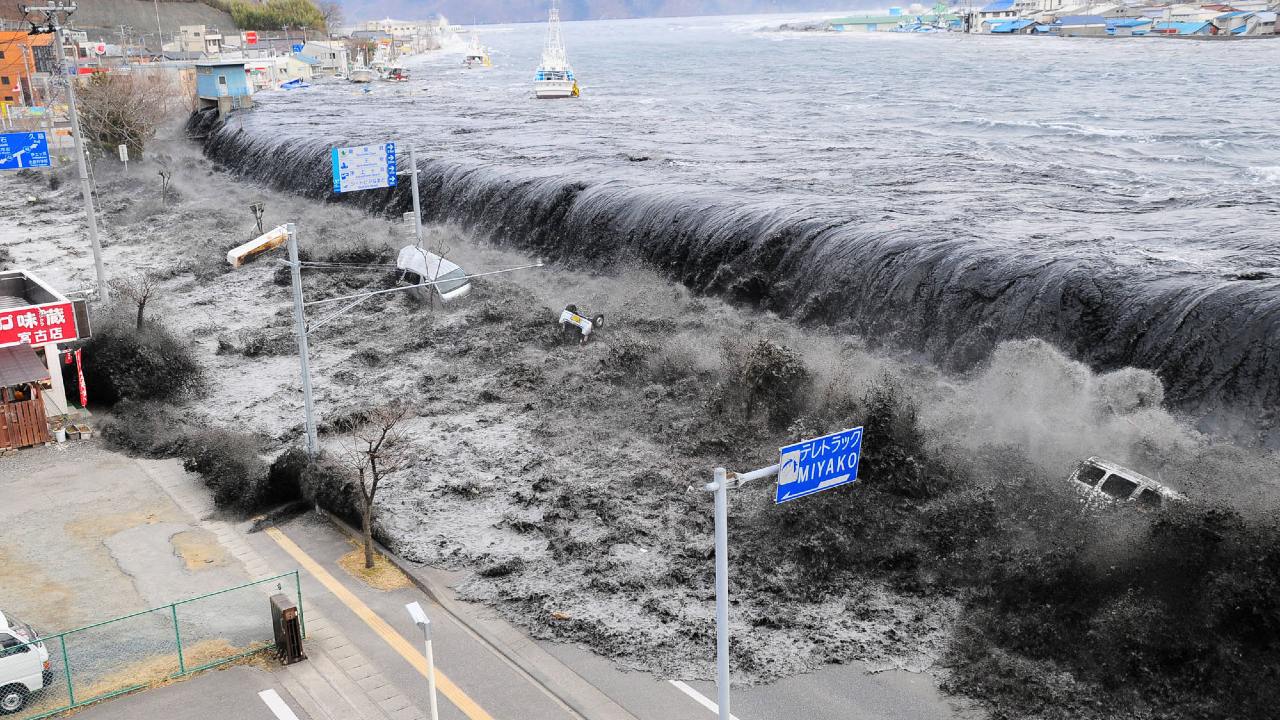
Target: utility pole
[(160, 30), (56, 14), (299, 319), (29, 65), (417, 207)]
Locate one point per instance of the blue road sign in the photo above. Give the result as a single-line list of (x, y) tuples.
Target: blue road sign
[(364, 167), (23, 150), (297, 47), (812, 466)]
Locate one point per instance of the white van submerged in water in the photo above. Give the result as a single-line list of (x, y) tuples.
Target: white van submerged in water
[(1100, 479), (24, 664), (420, 266)]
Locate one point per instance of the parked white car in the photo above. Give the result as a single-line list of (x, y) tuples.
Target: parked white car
[(1104, 480), (419, 266), (24, 664)]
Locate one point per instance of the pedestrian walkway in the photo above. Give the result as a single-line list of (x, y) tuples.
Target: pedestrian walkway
[(337, 682)]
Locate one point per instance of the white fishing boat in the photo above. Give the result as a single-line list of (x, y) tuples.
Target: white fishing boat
[(555, 77), (362, 75), (477, 55)]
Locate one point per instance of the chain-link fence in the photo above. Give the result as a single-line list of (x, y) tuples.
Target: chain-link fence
[(44, 675)]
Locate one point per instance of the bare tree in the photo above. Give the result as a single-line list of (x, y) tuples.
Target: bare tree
[(379, 449), (118, 109), (165, 163), (331, 11), (137, 289)]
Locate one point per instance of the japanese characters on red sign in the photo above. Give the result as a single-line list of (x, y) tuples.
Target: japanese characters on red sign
[(38, 324)]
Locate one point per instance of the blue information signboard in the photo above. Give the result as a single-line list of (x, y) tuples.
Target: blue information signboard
[(23, 150), (364, 167), (820, 464), (297, 47)]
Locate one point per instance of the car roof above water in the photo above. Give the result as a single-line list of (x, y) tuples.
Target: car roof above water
[(1112, 468)]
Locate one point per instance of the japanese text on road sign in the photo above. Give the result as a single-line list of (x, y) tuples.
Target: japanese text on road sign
[(364, 168), (823, 463), (37, 325), (23, 150)]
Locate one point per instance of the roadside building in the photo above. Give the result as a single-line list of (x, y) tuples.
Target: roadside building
[(332, 56), (35, 319), (999, 10), (199, 39), (273, 71), (1020, 26), (1081, 26), (223, 84), (1266, 23), (23, 60), (867, 23), (1128, 27), (1193, 28), (1236, 22)]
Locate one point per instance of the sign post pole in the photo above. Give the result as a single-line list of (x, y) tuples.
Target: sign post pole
[(719, 486), (299, 319), (417, 207), (803, 468)]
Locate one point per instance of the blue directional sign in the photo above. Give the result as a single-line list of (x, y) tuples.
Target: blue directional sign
[(23, 150), (297, 47), (364, 168), (823, 463)]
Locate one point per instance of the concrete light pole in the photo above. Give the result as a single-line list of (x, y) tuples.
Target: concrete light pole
[(422, 621), (57, 13)]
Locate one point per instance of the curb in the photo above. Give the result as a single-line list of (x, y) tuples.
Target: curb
[(598, 707)]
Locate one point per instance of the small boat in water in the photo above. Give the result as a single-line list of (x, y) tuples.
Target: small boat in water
[(397, 73), (363, 75), (555, 77), (477, 55)]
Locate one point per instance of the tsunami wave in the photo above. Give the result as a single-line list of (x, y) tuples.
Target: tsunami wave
[(1213, 340)]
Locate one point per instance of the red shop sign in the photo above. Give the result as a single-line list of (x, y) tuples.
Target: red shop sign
[(38, 324)]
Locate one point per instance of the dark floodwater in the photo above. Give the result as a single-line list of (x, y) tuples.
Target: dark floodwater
[(941, 192)]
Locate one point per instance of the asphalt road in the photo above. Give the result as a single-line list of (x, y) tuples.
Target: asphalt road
[(228, 694), (834, 693), (497, 687)]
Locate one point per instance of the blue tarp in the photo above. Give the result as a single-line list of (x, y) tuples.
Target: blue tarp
[(1240, 30), (293, 84), (1181, 28), (1012, 26)]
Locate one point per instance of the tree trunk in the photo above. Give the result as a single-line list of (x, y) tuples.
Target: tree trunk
[(367, 518), (142, 306)]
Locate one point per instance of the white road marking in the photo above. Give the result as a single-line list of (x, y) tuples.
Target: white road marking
[(699, 698), (277, 705)]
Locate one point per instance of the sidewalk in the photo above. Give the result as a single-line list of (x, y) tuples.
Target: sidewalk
[(365, 659), (337, 681)]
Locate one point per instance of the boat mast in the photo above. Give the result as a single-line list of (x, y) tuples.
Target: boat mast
[(553, 51)]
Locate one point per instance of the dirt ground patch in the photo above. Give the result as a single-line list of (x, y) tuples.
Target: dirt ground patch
[(382, 576), (95, 527), (199, 549)]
